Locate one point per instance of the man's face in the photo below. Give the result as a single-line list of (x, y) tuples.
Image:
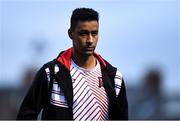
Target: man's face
[(84, 37)]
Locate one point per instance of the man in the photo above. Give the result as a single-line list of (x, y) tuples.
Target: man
[(79, 84)]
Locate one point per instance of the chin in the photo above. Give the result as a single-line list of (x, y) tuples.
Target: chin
[(88, 53)]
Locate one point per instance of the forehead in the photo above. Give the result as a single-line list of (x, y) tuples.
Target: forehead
[(87, 25)]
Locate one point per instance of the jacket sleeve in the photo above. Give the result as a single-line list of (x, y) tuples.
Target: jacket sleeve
[(35, 98), (122, 103)]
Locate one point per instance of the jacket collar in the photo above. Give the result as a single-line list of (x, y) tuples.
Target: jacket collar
[(65, 58)]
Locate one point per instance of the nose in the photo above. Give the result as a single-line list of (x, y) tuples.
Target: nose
[(90, 38)]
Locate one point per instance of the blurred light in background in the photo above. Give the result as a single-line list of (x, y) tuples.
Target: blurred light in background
[(140, 37)]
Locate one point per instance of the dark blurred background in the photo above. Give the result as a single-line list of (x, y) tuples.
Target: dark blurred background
[(140, 37)]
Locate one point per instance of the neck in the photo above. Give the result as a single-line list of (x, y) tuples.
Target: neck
[(86, 62)]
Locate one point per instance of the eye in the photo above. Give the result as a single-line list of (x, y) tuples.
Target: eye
[(83, 33), (94, 33)]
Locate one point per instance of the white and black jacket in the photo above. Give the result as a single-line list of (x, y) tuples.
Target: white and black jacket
[(57, 73)]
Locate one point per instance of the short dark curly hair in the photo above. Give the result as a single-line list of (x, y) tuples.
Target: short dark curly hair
[(83, 14)]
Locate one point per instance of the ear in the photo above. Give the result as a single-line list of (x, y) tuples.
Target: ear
[(70, 33)]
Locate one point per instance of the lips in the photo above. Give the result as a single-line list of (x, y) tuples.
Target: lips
[(89, 48)]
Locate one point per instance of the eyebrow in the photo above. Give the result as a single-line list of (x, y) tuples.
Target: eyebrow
[(87, 32)]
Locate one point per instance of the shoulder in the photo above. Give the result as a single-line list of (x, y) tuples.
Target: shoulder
[(45, 68), (116, 75), (112, 69)]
